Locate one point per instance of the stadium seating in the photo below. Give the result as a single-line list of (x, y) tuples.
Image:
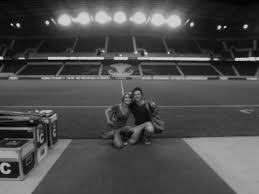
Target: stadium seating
[(225, 68), (240, 44), (246, 68), (80, 69), (150, 44), (240, 53), (182, 46), (89, 45), (255, 53), (214, 46), (12, 66), (36, 69), (21, 45), (120, 44), (159, 69), (57, 45), (197, 69)]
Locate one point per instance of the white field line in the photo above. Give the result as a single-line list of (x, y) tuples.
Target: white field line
[(122, 88), (162, 106)]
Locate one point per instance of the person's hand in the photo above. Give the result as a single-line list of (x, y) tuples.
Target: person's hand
[(110, 123)]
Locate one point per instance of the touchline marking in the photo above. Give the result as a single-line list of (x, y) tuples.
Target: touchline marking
[(122, 88), (162, 106)]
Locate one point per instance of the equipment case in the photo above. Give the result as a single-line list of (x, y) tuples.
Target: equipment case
[(17, 158)]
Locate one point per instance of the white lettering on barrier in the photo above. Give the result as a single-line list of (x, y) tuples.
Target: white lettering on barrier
[(4, 168), (40, 136), (54, 132)]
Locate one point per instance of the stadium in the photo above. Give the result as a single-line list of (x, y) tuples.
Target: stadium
[(63, 64)]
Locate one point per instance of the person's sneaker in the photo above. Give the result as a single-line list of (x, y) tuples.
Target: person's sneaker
[(108, 135), (147, 138), (147, 141)]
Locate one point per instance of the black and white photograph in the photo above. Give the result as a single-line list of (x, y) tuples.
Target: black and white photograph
[(129, 97)]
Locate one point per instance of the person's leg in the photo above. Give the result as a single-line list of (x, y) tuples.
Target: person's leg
[(148, 132), (117, 141), (137, 131)]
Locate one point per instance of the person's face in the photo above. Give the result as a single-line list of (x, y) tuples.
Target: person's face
[(137, 96), (127, 99)]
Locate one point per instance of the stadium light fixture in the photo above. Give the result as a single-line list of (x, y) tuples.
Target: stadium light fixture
[(102, 17), (64, 20), (83, 18), (245, 26), (174, 21), (192, 24), (225, 27), (47, 23), (18, 25), (157, 19), (139, 18), (219, 27), (12, 24), (120, 17)]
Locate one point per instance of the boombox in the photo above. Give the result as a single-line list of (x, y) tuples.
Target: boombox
[(17, 158), (26, 127)]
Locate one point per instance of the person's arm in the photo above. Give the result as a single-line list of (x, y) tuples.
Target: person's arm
[(108, 114), (154, 108)]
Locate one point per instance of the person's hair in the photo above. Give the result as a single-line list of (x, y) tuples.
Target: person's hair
[(124, 95), (137, 89)]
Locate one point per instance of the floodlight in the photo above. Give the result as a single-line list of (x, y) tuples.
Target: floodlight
[(47, 23), (219, 27), (139, 18), (174, 21), (192, 24), (83, 18), (245, 26), (157, 19), (102, 17), (120, 17), (18, 25), (65, 20)]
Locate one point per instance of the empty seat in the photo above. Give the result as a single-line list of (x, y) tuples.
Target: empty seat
[(40, 70), (205, 70), (240, 44), (89, 44), (56, 45), (151, 44), (238, 53), (225, 68), (21, 45), (246, 68), (80, 70), (120, 44), (13, 66), (183, 46), (212, 45), (160, 69)]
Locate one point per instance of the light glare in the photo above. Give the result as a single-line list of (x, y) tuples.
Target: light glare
[(139, 18), (174, 21), (157, 19), (102, 17), (83, 18), (120, 17), (64, 20)]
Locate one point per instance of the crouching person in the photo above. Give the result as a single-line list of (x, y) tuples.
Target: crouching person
[(117, 117), (147, 120)]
